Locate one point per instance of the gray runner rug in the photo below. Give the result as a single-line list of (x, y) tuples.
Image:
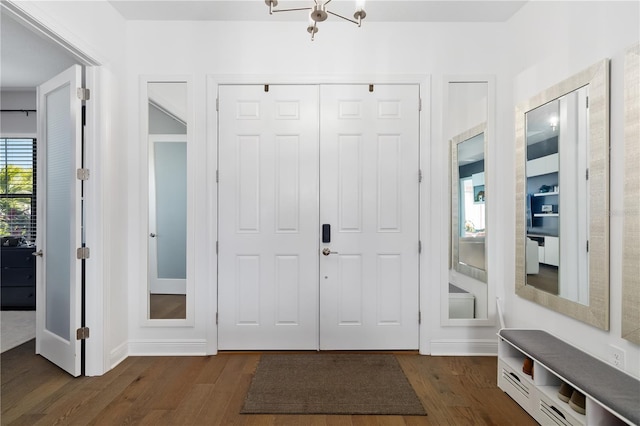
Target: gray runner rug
[(331, 384)]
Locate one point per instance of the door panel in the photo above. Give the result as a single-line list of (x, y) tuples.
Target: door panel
[(268, 217), (276, 291), (369, 194), (59, 220)]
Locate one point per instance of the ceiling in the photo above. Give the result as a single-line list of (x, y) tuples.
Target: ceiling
[(28, 59), (377, 10)]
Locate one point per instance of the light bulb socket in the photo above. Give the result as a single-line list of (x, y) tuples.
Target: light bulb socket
[(360, 14), (319, 13), (312, 29), (271, 3)]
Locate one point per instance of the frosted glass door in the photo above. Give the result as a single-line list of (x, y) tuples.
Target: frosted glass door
[(59, 216), (168, 214), (59, 199)]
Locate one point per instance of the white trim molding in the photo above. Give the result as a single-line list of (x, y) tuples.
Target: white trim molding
[(422, 80), (461, 347), (168, 347)]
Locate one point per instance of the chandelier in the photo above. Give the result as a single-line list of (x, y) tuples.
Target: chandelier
[(320, 13)]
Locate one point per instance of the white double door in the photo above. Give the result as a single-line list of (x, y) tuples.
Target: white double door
[(295, 158)]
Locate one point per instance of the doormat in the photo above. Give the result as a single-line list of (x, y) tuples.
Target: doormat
[(331, 384)]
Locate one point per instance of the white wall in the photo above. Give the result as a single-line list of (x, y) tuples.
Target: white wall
[(18, 124), (281, 51), (544, 43), (550, 42)]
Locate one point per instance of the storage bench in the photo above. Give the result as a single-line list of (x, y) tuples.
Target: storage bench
[(612, 396)]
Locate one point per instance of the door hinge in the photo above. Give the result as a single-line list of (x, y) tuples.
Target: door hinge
[(419, 317), (217, 176), (587, 246), (419, 175), (419, 104), (587, 101), (216, 318), (217, 104), (217, 247), (419, 246), (83, 253), (83, 94), (587, 174), (82, 174), (82, 333)]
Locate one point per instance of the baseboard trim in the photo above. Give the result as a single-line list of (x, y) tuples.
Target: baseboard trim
[(198, 347), (460, 347), (118, 354), (192, 347)]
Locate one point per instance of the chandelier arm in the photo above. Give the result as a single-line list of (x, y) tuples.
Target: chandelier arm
[(326, 2), (342, 17), (291, 10)]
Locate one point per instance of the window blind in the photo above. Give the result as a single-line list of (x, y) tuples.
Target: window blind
[(18, 188)]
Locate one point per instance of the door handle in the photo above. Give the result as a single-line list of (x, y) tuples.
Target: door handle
[(152, 235), (37, 253), (327, 251)]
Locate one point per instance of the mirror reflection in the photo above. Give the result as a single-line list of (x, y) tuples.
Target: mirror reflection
[(562, 197), (167, 236), (467, 288), (557, 221), (469, 203)]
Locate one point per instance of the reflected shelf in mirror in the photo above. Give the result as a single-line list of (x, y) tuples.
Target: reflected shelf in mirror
[(557, 151)]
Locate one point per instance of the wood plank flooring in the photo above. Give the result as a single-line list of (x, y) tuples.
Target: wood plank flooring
[(546, 279), (210, 390), (167, 306)]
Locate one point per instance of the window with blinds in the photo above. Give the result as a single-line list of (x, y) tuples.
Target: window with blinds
[(18, 188)]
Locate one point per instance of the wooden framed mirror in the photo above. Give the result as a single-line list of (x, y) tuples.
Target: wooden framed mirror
[(562, 197), (631, 220)]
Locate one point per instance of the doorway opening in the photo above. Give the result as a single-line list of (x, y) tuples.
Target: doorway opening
[(34, 54)]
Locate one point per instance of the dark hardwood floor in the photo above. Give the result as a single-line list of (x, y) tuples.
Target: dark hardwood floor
[(167, 306), (210, 390), (546, 279)]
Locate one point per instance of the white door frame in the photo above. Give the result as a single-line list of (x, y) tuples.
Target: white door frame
[(96, 299), (214, 81)]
